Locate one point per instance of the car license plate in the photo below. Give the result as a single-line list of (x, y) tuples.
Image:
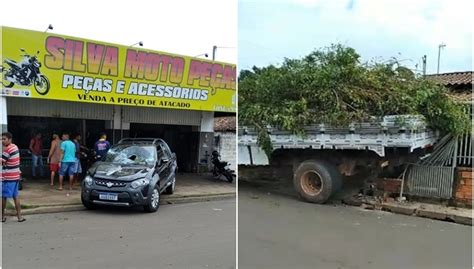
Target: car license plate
[(108, 196)]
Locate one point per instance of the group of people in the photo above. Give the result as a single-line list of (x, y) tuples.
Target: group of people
[(63, 159)]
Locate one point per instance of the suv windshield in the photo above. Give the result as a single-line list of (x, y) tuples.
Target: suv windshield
[(131, 154)]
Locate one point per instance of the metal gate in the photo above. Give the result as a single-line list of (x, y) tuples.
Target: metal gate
[(430, 181), (464, 153), (433, 176)]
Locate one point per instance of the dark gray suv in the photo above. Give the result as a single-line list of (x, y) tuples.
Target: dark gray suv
[(134, 172)]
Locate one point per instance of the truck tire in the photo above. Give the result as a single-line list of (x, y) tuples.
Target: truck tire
[(336, 178), (316, 181)]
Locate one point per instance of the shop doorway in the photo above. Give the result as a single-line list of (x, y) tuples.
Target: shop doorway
[(181, 139), (24, 128)]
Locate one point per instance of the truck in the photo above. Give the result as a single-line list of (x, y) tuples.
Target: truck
[(324, 154)]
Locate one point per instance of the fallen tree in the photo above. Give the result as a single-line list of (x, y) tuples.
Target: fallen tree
[(333, 86)]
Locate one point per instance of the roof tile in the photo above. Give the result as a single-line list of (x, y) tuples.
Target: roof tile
[(455, 78), (223, 124)]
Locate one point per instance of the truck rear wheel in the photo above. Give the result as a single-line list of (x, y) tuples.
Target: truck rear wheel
[(316, 181)]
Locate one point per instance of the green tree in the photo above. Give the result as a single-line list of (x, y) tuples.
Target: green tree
[(332, 86)]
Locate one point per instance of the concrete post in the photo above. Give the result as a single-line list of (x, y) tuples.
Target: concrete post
[(206, 139), (118, 128), (3, 113)]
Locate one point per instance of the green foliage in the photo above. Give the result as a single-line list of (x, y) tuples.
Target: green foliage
[(331, 85)]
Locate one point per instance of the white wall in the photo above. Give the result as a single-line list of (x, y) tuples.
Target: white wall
[(258, 156), (207, 122), (227, 148)]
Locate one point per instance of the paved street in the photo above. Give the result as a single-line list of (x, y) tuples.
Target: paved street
[(195, 235), (279, 231), (38, 193)]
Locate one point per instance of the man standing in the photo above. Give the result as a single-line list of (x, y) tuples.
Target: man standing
[(36, 148), (77, 166), (101, 147), (54, 157), (10, 175), (68, 161)]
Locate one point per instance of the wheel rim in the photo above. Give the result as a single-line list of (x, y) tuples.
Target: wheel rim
[(41, 85), (173, 184), (155, 197), (311, 183)]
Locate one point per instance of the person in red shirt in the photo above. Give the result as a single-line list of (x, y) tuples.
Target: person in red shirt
[(54, 157), (10, 175), (36, 148)]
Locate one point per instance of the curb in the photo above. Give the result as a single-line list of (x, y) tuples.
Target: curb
[(419, 212), (431, 214), (48, 209), (79, 207), (461, 219), (192, 199), (424, 213), (409, 211)]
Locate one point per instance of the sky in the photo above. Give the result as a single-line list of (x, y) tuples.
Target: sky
[(178, 26), (267, 30), (270, 30)]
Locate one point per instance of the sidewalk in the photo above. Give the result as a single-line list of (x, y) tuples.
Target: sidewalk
[(38, 197), (347, 197)]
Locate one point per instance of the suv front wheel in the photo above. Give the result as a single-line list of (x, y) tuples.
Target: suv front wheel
[(87, 204), (154, 201)]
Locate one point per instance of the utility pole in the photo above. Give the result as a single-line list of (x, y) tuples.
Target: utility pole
[(442, 45), (214, 49), (424, 65)]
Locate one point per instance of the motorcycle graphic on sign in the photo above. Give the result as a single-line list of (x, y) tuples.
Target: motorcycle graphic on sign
[(25, 73)]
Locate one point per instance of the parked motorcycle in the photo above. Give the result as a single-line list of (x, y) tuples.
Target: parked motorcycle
[(220, 168), (25, 73)]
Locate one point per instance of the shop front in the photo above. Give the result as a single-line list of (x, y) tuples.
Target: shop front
[(54, 84)]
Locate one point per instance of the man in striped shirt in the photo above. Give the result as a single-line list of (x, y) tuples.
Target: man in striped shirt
[(10, 174)]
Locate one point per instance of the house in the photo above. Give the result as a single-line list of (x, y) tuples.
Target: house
[(460, 86), (459, 83)]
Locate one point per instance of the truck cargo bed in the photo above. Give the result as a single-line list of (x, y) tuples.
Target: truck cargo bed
[(408, 132)]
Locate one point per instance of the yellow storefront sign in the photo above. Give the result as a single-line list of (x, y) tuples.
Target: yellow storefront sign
[(50, 66)]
